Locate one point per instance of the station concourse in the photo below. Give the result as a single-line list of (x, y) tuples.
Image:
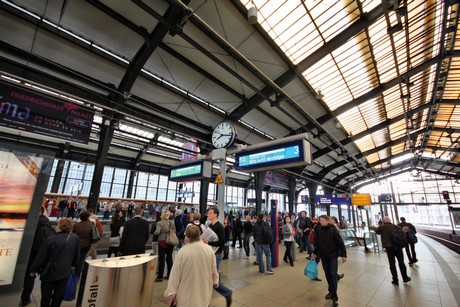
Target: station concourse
[(345, 108), (367, 282)]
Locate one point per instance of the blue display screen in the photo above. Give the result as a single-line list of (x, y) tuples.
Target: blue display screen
[(280, 155), (270, 156)]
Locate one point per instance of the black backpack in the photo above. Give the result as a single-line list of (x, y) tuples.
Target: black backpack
[(398, 238), (267, 234)]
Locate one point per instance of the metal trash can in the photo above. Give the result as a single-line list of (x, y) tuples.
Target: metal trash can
[(120, 281)]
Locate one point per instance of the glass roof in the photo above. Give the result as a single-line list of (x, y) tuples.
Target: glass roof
[(384, 53)]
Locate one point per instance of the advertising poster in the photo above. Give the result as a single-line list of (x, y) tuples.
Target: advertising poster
[(29, 111), (18, 179)]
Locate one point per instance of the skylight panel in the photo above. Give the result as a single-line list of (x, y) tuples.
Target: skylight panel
[(402, 158)]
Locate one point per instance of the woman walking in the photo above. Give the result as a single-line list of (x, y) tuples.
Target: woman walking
[(164, 249), (288, 237)]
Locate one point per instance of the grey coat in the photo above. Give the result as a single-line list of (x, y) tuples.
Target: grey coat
[(163, 229)]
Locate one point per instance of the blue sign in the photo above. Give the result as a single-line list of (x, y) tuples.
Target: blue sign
[(385, 197), (289, 154), (328, 199)]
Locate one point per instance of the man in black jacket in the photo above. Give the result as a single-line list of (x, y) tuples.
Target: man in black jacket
[(237, 230), (392, 251), (135, 235), (411, 240), (57, 257), (43, 231), (329, 245), (218, 228)]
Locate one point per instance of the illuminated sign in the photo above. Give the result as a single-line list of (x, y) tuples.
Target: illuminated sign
[(329, 199), (24, 110), (284, 155), (191, 171), (361, 199)]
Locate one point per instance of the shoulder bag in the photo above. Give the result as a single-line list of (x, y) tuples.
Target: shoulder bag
[(171, 237)]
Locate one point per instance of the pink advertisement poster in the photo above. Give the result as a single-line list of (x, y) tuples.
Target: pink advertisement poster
[(18, 178)]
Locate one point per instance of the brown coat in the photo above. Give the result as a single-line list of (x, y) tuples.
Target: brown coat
[(84, 231)]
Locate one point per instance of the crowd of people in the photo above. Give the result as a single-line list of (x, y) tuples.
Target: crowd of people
[(75, 242)]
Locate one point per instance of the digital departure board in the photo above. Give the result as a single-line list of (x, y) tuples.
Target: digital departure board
[(281, 155), (191, 171)]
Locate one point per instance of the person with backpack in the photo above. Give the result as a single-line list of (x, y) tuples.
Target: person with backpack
[(393, 240), (196, 220), (43, 231), (410, 231), (261, 232)]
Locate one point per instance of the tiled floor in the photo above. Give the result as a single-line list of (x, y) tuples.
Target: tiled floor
[(367, 282)]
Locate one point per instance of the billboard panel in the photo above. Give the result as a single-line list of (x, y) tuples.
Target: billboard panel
[(29, 111)]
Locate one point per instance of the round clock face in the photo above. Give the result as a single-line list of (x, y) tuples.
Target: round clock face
[(223, 135)]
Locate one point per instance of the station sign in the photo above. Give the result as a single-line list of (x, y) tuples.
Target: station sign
[(274, 156), (363, 199), (191, 171), (329, 199)]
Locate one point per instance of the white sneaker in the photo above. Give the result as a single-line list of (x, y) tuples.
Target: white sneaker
[(270, 272), (245, 257)]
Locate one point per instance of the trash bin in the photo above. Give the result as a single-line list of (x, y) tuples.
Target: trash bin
[(120, 281)]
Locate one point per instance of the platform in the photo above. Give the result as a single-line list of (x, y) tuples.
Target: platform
[(367, 281)]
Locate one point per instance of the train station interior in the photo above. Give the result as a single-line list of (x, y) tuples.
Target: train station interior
[(105, 101)]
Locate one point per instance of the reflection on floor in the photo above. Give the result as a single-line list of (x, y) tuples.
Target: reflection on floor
[(367, 282)]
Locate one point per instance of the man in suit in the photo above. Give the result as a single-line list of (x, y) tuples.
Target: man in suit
[(135, 235)]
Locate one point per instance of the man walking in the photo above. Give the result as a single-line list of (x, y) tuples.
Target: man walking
[(304, 226), (135, 235), (410, 231), (262, 244), (329, 246), (218, 228), (237, 230), (392, 250)]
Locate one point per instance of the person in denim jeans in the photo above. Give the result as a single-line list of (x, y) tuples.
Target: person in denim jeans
[(262, 246), (218, 228)]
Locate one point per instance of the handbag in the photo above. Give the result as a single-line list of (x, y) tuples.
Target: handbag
[(71, 287), (171, 237), (95, 236), (311, 269), (114, 241)]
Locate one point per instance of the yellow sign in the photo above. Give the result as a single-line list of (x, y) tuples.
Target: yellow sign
[(219, 179), (361, 199)]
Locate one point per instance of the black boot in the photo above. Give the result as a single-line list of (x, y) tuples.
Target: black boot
[(226, 250)]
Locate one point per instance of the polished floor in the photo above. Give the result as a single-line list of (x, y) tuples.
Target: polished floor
[(367, 281)]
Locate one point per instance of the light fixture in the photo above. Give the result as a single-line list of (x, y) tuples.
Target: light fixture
[(319, 95), (252, 14)]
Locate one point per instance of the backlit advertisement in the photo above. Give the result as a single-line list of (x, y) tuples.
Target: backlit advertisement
[(18, 178), (29, 111)]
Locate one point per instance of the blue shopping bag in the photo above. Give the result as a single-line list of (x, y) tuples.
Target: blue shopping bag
[(71, 287), (311, 269)]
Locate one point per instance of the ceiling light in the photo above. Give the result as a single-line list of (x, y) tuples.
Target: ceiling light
[(319, 95), (252, 15)]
